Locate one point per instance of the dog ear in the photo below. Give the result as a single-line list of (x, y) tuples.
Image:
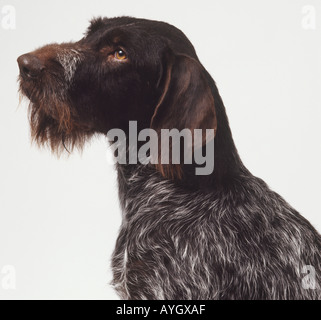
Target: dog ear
[(186, 103)]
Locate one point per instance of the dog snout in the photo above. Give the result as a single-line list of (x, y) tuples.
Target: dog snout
[(30, 66)]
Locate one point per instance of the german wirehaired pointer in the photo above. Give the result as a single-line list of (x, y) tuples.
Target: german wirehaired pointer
[(183, 236)]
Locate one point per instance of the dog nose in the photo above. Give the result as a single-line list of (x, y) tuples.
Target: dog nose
[(30, 66)]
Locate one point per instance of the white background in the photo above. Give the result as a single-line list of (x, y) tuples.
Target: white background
[(59, 218)]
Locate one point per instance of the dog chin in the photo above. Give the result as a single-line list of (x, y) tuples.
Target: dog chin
[(50, 132)]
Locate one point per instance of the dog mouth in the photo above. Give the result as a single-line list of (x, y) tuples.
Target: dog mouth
[(29, 89), (45, 96)]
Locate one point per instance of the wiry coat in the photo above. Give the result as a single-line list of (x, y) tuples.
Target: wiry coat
[(222, 236), (236, 241)]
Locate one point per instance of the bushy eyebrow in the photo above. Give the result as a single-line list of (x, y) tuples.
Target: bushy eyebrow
[(112, 38), (99, 34)]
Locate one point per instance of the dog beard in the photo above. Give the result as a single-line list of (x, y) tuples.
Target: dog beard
[(53, 120)]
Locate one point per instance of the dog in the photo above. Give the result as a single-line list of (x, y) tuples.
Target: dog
[(224, 235)]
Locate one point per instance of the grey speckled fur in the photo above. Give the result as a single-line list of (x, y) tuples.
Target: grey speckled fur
[(237, 242)]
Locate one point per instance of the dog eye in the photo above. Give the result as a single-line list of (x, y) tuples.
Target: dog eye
[(120, 55)]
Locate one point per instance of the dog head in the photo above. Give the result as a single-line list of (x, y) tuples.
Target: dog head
[(123, 69)]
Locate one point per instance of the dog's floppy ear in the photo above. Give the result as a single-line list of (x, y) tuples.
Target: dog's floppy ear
[(186, 103)]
